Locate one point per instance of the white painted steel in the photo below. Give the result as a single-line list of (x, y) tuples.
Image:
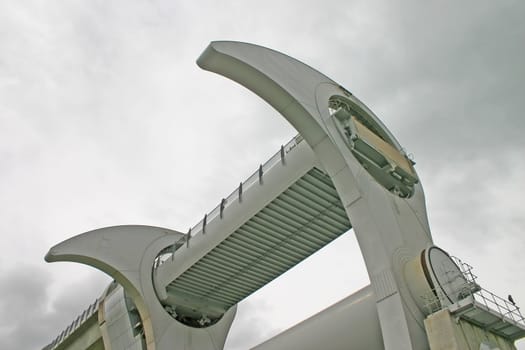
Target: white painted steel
[(118, 323), (390, 230), (301, 220), (298, 162), (127, 253), (352, 323), (284, 218)]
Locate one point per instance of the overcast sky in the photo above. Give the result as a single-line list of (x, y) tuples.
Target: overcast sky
[(105, 119)]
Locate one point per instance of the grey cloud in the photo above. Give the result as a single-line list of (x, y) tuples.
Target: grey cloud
[(32, 314), (451, 68)]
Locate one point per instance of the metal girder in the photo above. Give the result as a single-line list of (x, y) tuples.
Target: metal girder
[(296, 224)]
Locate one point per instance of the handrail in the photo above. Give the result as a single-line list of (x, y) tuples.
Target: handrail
[(504, 307), (478, 296), (254, 179), (77, 322), (507, 310)]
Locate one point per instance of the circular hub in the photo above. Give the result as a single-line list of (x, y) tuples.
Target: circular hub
[(373, 146), (444, 275), (188, 308)]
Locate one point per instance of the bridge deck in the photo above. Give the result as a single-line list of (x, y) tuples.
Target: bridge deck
[(301, 213)]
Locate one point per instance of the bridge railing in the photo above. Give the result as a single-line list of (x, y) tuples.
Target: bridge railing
[(502, 306), (74, 325), (256, 178), (433, 302)]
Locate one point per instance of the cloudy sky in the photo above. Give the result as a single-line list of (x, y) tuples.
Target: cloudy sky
[(105, 119)]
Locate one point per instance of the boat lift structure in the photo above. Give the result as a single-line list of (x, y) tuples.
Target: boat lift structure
[(344, 170)]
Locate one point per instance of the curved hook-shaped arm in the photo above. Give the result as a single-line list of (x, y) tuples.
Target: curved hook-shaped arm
[(119, 251), (390, 230), (285, 83), (125, 253)]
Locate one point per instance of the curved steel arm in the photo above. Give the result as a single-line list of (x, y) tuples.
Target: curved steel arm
[(390, 230), (127, 254), (282, 81)]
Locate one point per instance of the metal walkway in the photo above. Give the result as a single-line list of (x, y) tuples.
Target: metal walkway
[(481, 307), (250, 241), (491, 313), (488, 310)]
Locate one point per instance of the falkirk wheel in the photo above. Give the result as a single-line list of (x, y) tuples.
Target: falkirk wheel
[(343, 170)]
